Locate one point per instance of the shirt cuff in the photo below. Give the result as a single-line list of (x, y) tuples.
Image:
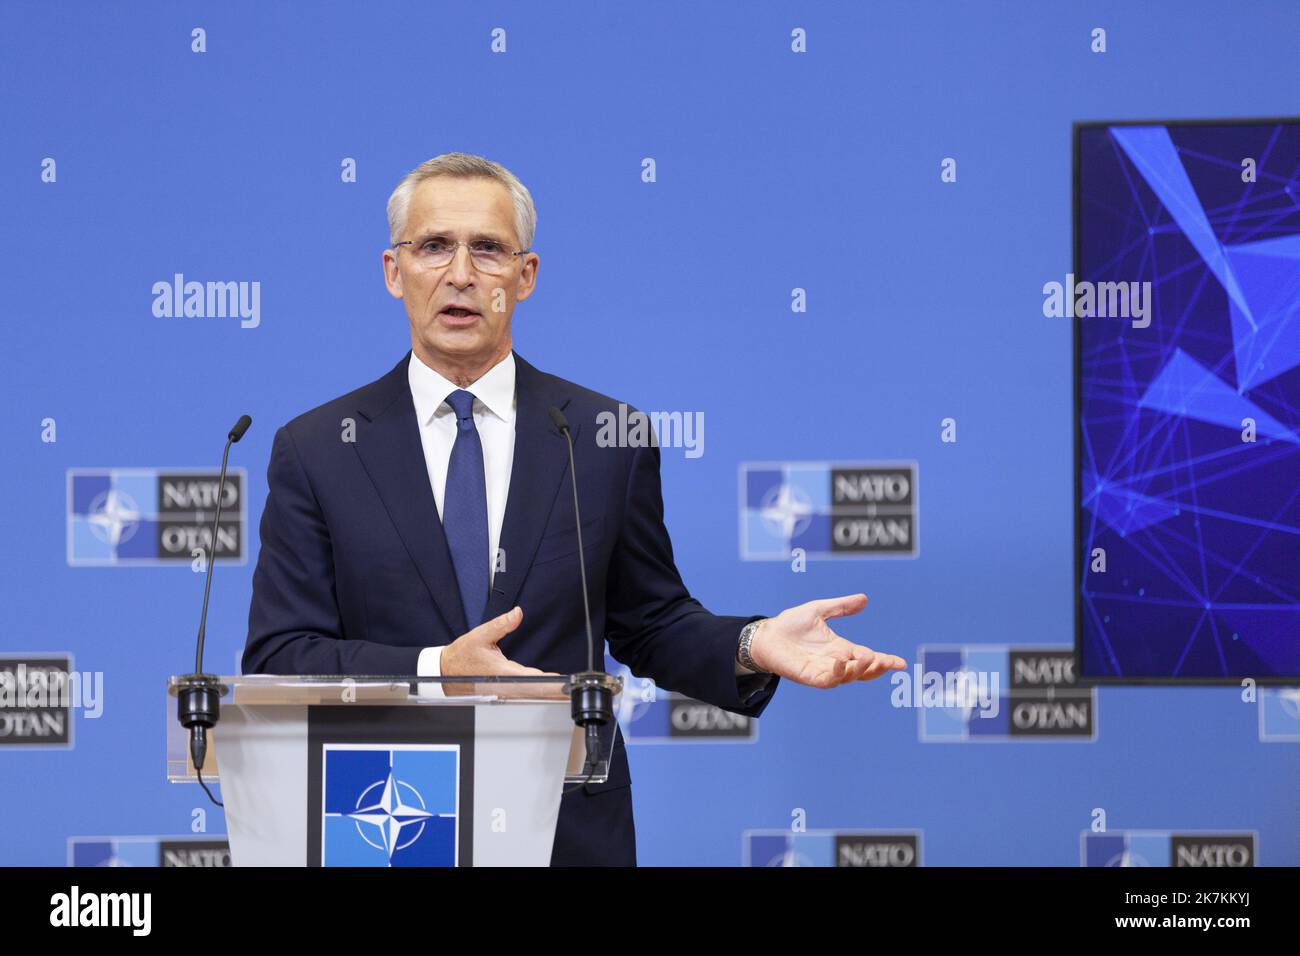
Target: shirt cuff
[(429, 664), (747, 687)]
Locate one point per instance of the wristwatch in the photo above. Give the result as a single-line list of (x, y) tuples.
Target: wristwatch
[(742, 648)]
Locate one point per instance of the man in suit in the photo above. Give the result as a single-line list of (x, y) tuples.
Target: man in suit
[(424, 522)]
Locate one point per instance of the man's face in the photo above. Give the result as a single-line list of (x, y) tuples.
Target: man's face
[(456, 207)]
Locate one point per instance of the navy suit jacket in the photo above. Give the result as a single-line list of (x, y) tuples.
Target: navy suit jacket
[(354, 575)]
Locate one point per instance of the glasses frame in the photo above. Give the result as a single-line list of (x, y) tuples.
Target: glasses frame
[(456, 250)]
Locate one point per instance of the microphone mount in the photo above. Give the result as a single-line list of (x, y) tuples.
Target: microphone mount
[(591, 694), (198, 695)]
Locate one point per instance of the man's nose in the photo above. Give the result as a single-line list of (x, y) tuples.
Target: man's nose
[(461, 268)]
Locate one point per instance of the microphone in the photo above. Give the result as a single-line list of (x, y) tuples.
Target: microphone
[(198, 700), (592, 704)]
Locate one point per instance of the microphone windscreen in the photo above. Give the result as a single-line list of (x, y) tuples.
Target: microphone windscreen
[(557, 416), (241, 426)]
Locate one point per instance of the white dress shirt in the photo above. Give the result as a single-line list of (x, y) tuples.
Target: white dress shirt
[(494, 417)]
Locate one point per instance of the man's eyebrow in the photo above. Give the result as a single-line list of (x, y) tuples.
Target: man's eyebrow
[(428, 233)]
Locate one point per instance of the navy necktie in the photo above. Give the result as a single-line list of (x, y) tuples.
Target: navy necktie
[(464, 510)]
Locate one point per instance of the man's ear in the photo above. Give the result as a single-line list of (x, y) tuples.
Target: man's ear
[(392, 275), (528, 281)]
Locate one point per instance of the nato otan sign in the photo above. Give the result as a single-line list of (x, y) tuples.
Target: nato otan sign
[(159, 516), (819, 510)]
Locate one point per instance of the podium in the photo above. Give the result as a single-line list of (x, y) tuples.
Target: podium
[(391, 771)]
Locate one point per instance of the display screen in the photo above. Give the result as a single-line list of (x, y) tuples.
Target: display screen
[(1185, 299)]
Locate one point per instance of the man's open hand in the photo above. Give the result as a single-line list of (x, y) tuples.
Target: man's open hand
[(798, 644)]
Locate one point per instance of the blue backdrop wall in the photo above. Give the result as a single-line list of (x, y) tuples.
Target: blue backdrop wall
[(775, 170)]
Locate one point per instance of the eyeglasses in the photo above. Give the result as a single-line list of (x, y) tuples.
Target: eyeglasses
[(488, 255)]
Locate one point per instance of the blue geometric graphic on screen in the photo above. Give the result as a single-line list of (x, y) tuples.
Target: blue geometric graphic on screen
[(1260, 278), (1200, 530), (1123, 508), (1265, 339), (1186, 387), (390, 806), (1156, 158)]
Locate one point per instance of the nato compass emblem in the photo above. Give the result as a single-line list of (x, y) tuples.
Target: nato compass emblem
[(1279, 714), (113, 517), (390, 805)]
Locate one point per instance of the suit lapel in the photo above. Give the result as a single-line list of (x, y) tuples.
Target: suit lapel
[(393, 456), (540, 461)]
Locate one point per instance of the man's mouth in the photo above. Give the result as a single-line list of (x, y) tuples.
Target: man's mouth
[(458, 314)]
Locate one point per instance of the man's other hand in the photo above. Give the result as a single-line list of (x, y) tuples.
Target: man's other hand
[(476, 653), (798, 644)]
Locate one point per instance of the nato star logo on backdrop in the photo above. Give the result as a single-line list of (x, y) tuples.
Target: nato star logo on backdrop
[(884, 849), (112, 851), (1167, 848), (827, 510), (390, 805), (156, 851), (649, 714), (133, 516), (1038, 697), (1279, 714)]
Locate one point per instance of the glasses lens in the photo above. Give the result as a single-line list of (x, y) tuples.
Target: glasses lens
[(489, 256), (435, 252)]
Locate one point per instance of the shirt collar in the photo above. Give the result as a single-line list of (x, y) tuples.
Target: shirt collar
[(495, 388)]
